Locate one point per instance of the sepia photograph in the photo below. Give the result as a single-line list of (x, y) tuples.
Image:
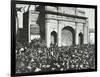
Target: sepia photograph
[(50, 38)]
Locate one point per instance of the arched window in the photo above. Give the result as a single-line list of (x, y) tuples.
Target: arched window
[(80, 38), (53, 37)]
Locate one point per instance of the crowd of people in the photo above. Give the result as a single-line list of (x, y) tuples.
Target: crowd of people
[(38, 58)]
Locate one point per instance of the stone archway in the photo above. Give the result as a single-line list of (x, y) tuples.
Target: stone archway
[(80, 38), (53, 38), (67, 36)]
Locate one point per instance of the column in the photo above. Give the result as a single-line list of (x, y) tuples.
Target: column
[(76, 32), (59, 34), (88, 37), (86, 33), (47, 34), (29, 35)]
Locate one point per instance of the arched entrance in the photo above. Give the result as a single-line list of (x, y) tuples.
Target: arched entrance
[(80, 38), (67, 36), (53, 37)]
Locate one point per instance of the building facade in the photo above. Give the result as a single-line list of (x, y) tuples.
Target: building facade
[(61, 26)]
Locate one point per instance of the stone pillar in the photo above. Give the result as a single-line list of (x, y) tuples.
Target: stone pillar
[(59, 35), (47, 34), (86, 33), (76, 36)]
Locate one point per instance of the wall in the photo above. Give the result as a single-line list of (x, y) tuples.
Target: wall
[(57, 23)]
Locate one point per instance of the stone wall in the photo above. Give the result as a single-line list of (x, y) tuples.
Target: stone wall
[(58, 22)]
